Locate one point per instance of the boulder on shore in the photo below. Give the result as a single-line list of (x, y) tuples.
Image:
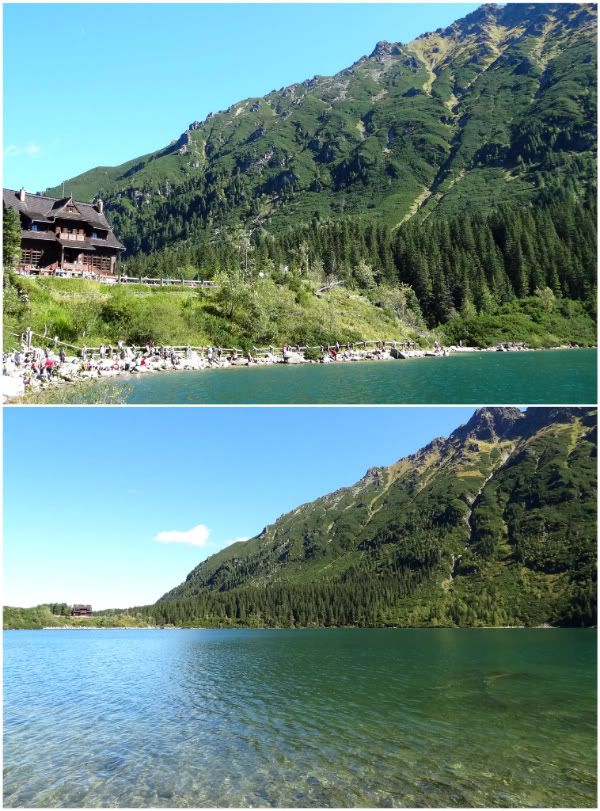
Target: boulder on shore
[(12, 386)]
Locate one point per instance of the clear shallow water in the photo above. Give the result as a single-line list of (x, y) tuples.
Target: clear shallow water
[(300, 718), (553, 377)]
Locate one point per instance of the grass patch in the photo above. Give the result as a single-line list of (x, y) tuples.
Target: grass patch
[(255, 314)]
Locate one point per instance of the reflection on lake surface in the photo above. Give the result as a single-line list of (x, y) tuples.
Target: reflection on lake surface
[(557, 376), (332, 717)]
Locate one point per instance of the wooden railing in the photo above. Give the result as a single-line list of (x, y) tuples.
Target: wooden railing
[(268, 350), (77, 271)]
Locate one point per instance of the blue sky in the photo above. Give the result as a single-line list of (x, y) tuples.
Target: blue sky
[(88, 490), (88, 84)]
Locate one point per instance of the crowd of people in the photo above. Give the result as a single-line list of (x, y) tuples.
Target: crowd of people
[(33, 366), (44, 364), (41, 362)]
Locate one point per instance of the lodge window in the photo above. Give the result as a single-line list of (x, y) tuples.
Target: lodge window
[(34, 226), (94, 235), (31, 256), (101, 262)]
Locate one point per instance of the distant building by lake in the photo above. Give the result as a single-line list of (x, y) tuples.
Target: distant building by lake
[(81, 610)]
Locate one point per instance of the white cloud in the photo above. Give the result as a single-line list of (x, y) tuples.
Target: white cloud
[(196, 536), (14, 151)]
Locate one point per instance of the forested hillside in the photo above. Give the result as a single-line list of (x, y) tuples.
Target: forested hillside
[(459, 266), (499, 107), (450, 182), (517, 274), (494, 525)]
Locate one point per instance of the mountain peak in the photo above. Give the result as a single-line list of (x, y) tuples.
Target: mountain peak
[(489, 424), (374, 475), (385, 48), (495, 424)]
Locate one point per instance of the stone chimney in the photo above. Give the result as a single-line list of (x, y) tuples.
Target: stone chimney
[(99, 206), (22, 195)]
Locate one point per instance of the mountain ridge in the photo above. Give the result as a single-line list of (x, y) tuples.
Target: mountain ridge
[(486, 110), (504, 505)]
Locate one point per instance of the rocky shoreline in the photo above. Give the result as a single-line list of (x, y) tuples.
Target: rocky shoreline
[(93, 628), (35, 369), (543, 625)]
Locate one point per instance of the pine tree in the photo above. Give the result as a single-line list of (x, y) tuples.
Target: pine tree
[(11, 239)]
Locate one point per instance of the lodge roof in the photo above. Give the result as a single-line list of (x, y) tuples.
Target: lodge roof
[(110, 240), (78, 245), (47, 235), (61, 213), (40, 208)]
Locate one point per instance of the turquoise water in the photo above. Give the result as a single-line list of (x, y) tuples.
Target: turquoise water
[(317, 718), (552, 377)]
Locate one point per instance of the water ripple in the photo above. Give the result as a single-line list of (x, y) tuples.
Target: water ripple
[(328, 718)]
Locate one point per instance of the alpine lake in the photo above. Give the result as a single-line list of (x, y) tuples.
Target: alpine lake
[(316, 717), (539, 377)]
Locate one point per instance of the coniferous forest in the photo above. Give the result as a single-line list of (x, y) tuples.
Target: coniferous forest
[(464, 265), (446, 181), (495, 525)]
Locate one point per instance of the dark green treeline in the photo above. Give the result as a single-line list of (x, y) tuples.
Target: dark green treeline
[(466, 265), (393, 599)]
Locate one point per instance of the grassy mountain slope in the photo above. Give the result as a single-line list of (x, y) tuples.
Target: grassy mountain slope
[(88, 313), (500, 106), (494, 525)]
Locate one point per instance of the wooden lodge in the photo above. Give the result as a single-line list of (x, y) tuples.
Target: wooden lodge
[(60, 236), (81, 611)]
